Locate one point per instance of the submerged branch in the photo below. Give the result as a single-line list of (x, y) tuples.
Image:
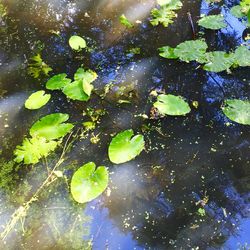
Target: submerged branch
[(21, 212)]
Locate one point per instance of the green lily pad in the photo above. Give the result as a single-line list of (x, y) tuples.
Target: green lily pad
[(32, 150), (242, 56), (237, 111), (37, 100), (51, 126), (171, 105), (75, 91), (88, 182), (87, 77), (218, 61), (57, 82), (123, 148), (193, 50), (77, 43), (213, 22), (237, 11)]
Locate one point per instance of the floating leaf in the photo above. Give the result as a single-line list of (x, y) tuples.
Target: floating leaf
[(37, 100), (167, 52), (123, 20), (88, 182), (123, 148), (87, 77), (32, 150), (236, 11), (242, 56), (218, 61), (213, 22), (237, 111), (171, 105), (75, 91), (193, 50), (77, 43), (51, 126), (57, 82)]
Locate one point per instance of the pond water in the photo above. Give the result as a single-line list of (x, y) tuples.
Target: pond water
[(190, 188)]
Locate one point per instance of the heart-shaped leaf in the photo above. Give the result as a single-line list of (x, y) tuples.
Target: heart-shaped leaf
[(242, 56), (37, 100), (237, 111), (75, 91), (123, 148), (77, 43), (87, 77), (171, 105), (88, 182), (213, 22), (51, 126), (57, 82)]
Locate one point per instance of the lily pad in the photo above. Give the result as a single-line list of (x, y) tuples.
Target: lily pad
[(124, 148), (87, 77), (32, 150), (75, 91), (237, 111), (51, 126), (237, 11), (242, 56), (193, 50), (218, 61), (57, 82), (171, 105), (77, 43), (88, 182), (37, 100), (213, 22)]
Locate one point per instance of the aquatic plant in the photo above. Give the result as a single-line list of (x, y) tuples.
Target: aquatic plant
[(124, 21), (242, 10), (213, 22), (88, 182), (237, 110), (77, 43), (51, 126), (37, 67), (80, 89), (32, 150), (58, 82), (124, 147), (215, 61), (171, 105), (165, 13), (37, 100)]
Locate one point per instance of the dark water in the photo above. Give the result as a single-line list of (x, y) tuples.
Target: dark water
[(153, 201)]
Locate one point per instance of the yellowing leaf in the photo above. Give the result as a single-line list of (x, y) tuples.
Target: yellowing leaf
[(37, 100)]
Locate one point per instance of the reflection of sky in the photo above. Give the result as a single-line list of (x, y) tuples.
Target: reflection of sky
[(105, 234), (235, 26), (241, 237)]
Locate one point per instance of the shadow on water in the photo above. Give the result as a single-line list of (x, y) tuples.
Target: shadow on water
[(191, 164)]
